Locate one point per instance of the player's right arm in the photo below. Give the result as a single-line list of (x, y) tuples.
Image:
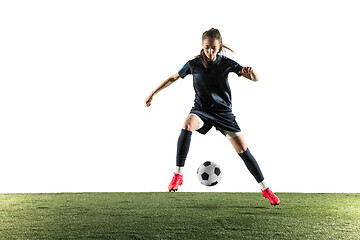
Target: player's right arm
[(163, 85)]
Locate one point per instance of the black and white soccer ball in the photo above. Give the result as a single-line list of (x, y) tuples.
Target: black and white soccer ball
[(209, 173)]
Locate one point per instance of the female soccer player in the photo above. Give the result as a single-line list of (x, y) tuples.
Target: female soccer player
[(213, 106)]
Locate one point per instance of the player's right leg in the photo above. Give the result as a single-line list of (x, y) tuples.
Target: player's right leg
[(192, 122)]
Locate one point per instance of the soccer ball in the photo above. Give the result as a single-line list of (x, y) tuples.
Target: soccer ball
[(209, 173)]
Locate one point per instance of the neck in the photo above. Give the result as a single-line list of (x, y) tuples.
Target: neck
[(212, 60)]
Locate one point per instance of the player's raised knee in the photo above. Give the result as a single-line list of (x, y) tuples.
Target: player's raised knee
[(188, 126), (191, 123)]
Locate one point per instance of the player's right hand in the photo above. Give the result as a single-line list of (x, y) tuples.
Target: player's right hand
[(148, 100)]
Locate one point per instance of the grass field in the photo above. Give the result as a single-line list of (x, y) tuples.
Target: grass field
[(178, 216)]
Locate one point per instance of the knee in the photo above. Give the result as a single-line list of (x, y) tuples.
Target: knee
[(239, 144), (188, 126), (241, 149), (191, 123)]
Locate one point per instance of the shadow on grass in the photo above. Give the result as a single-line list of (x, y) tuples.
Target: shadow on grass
[(217, 206)]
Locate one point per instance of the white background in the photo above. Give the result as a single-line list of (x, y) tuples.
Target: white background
[(74, 76)]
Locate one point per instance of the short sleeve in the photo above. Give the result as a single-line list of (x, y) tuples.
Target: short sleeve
[(185, 70), (236, 68)]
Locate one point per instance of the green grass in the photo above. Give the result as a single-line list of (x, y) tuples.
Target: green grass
[(178, 216)]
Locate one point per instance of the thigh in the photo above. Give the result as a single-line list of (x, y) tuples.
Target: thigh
[(239, 143)]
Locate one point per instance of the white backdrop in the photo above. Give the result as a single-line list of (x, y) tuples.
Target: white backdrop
[(74, 76)]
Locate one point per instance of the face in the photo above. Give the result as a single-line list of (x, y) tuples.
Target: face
[(211, 48)]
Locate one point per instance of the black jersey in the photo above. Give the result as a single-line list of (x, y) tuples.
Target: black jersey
[(211, 85)]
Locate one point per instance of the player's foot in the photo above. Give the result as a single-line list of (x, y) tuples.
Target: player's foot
[(274, 200), (175, 182)]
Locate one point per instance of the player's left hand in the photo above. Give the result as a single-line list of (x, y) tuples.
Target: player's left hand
[(246, 70)]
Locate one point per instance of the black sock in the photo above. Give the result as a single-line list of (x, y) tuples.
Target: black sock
[(252, 165), (183, 146)]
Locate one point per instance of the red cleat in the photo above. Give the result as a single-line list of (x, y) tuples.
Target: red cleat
[(274, 200), (175, 182)]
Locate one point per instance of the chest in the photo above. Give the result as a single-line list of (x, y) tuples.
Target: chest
[(214, 75)]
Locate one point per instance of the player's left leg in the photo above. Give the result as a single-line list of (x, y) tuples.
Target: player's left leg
[(241, 148), (239, 144)]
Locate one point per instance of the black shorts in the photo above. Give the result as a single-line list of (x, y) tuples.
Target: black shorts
[(221, 121)]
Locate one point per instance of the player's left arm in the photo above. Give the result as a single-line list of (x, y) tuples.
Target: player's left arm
[(250, 74)]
